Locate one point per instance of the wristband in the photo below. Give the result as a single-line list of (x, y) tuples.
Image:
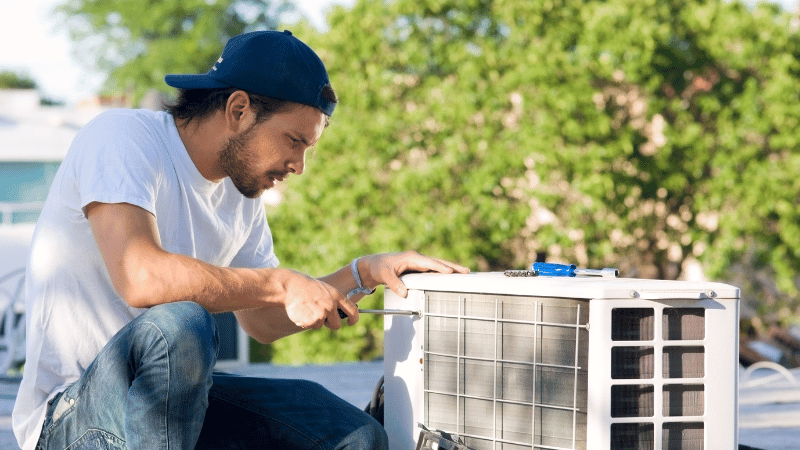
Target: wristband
[(360, 289)]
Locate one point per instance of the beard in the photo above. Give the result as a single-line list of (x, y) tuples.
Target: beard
[(237, 162)]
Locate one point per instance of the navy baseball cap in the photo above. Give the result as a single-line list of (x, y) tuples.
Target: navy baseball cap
[(270, 63)]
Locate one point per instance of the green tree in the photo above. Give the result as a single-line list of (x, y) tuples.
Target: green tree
[(138, 42), (13, 80), (641, 134)]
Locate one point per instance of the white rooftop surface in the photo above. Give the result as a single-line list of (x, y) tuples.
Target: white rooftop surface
[(769, 401), (769, 408)]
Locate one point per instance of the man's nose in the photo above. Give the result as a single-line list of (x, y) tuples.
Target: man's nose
[(297, 165)]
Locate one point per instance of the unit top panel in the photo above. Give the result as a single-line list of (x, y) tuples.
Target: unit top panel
[(581, 287)]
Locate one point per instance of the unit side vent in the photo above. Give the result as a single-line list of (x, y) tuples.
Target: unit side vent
[(667, 400)]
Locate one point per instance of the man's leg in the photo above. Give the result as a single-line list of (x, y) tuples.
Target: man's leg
[(147, 388), (255, 413)]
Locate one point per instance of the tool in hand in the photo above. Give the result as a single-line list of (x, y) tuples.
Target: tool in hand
[(390, 312)]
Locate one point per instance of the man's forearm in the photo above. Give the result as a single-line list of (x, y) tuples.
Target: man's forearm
[(144, 274), (174, 277)]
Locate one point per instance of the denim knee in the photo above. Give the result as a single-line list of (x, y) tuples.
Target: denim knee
[(364, 433), (189, 330), (371, 436)]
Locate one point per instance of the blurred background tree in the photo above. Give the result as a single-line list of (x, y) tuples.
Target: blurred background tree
[(646, 135), (138, 42), (15, 80), (655, 136)]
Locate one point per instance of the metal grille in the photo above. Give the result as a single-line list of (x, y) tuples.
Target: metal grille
[(505, 372)]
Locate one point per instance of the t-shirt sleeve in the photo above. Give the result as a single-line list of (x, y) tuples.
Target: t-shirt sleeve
[(119, 161), (257, 251)]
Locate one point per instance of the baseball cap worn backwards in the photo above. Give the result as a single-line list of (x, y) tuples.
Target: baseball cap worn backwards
[(271, 63)]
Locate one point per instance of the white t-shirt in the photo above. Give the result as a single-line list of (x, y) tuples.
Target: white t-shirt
[(72, 309)]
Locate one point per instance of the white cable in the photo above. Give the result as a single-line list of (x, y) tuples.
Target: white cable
[(782, 371)]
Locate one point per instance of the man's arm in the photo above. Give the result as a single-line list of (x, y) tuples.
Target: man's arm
[(144, 275), (373, 270)]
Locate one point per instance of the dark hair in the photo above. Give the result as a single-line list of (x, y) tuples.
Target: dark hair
[(328, 94), (201, 103)]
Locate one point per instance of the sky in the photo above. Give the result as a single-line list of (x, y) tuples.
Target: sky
[(32, 43)]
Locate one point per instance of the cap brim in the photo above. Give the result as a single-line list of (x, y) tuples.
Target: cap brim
[(202, 81)]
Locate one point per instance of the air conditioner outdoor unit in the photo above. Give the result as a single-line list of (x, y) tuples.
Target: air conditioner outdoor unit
[(509, 363)]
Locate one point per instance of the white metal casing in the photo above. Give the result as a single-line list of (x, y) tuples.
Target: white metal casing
[(404, 358)]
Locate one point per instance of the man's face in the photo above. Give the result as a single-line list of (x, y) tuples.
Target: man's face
[(268, 152)]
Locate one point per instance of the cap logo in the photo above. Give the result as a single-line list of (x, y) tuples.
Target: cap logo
[(218, 62)]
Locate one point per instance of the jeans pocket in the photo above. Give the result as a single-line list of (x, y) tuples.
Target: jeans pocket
[(61, 405), (97, 440)]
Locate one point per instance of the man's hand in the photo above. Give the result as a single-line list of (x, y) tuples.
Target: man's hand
[(312, 303), (386, 268)]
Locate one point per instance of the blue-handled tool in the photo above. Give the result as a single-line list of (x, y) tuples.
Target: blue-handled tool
[(570, 270), (554, 270)]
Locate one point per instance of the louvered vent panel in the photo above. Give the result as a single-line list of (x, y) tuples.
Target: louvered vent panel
[(636, 365)]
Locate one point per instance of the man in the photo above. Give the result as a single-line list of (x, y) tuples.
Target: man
[(153, 221)]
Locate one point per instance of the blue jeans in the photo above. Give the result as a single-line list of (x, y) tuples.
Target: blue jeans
[(153, 387)]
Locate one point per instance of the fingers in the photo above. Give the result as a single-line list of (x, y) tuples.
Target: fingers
[(394, 283), (332, 318), (457, 268), (427, 264), (308, 322), (349, 310), (312, 304), (391, 266), (341, 305), (415, 262)]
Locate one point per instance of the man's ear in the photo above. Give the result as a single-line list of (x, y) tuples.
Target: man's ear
[(239, 114)]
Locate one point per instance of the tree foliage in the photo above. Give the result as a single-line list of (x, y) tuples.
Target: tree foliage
[(639, 134), (13, 80), (138, 42)]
